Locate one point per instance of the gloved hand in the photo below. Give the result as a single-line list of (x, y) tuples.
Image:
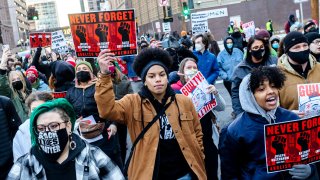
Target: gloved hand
[(301, 171), (4, 59)]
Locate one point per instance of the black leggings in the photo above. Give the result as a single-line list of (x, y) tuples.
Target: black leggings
[(228, 84)]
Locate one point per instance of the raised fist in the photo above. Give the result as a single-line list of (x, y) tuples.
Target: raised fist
[(81, 33), (33, 39), (279, 143), (102, 32), (124, 30), (303, 141), (48, 38)]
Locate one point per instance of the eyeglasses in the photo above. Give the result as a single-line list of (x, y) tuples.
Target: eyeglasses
[(316, 42), (53, 126)]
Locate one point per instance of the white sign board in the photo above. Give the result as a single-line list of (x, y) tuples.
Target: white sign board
[(158, 25), (163, 2), (236, 20), (58, 42), (199, 22), (215, 13), (248, 29), (166, 27), (300, 1)]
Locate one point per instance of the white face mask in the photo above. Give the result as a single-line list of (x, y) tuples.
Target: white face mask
[(198, 47), (189, 73)]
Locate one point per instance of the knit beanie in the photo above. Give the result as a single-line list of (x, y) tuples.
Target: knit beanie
[(183, 33), (61, 103), (308, 24), (262, 33), (292, 39), (71, 61), (32, 70), (63, 72), (85, 63), (312, 36)]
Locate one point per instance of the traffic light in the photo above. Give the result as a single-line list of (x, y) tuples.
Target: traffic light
[(32, 13), (185, 9)]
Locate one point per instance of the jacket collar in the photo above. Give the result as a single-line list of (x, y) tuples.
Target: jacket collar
[(284, 63)]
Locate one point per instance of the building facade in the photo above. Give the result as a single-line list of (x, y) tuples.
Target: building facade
[(47, 14)]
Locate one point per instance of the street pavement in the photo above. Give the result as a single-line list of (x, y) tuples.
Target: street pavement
[(224, 117)]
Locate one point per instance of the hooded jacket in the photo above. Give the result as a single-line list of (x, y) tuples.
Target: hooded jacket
[(207, 65), (243, 69), (228, 62), (289, 93), (241, 146), (130, 109)]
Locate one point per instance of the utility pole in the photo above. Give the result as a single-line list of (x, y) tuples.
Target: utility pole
[(315, 10)]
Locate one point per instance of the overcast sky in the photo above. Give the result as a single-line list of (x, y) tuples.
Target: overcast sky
[(66, 7)]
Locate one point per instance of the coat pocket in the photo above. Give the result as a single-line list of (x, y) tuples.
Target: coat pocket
[(140, 124), (187, 123)]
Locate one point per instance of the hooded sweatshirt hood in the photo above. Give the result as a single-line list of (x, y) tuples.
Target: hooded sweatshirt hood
[(225, 44), (249, 103)]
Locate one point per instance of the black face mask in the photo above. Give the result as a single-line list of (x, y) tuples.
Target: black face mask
[(53, 143), (313, 29), (17, 85), (258, 54), (236, 34), (83, 76), (300, 57)]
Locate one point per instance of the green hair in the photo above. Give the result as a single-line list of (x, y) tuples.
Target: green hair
[(61, 104)]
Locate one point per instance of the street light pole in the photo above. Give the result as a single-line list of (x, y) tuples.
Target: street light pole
[(301, 10)]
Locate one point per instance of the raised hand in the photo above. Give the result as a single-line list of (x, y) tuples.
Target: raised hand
[(102, 32), (104, 59), (279, 143), (81, 33)]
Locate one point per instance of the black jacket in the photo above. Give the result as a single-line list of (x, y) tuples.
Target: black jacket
[(9, 124), (40, 65)]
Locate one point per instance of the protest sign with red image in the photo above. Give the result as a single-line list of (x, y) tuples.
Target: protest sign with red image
[(291, 143), (95, 31), (40, 39)]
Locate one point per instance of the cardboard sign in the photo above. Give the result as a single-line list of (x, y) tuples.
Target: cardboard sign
[(248, 29), (291, 143), (166, 27), (57, 95), (309, 99), (95, 31), (58, 42), (196, 89), (199, 22), (40, 39)]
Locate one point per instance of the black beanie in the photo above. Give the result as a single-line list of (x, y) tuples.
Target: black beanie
[(312, 36), (308, 24), (63, 72), (292, 39)]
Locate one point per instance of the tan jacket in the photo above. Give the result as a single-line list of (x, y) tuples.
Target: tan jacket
[(128, 110), (289, 94)]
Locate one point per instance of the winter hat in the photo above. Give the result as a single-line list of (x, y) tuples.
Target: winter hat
[(27, 56), (63, 72), (308, 24), (71, 61), (61, 103), (186, 42), (85, 63), (32, 70), (150, 57), (274, 38), (292, 39), (262, 33), (312, 36), (183, 33)]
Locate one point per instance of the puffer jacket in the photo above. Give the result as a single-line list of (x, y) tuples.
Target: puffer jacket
[(289, 93), (129, 110), (227, 63)]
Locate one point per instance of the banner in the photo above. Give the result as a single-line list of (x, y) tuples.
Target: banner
[(95, 31), (199, 22), (40, 39), (309, 99), (291, 143), (248, 29), (196, 89), (216, 13), (58, 42)]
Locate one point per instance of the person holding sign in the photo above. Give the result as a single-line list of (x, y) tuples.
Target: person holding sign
[(188, 68), (299, 67), (241, 146), (164, 127)]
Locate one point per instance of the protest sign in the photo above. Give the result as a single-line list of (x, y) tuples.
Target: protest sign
[(95, 31), (309, 99), (58, 42), (196, 89), (57, 95), (40, 39), (291, 143), (199, 22), (166, 27), (248, 29)]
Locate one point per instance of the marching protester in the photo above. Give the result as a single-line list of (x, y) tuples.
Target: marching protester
[(62, 76), (258, 54), (37, 83), (40, 64), (207, 62), (14, 86), (292, 19), (230, 28), (188, 68), (299, 67), (241, 146), (213, 45), (310, 26), (274, 41), (164, 127), (67, 155), (81, 96), (269, 27), (22, 139), (264, 34), (239, 41), (9, 125), (314, 44), (228, 59)]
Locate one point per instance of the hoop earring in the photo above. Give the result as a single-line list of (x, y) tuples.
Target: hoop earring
[(72, 144)]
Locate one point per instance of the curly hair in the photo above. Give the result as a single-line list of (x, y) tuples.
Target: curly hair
[(273, 74), (148, 55)]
